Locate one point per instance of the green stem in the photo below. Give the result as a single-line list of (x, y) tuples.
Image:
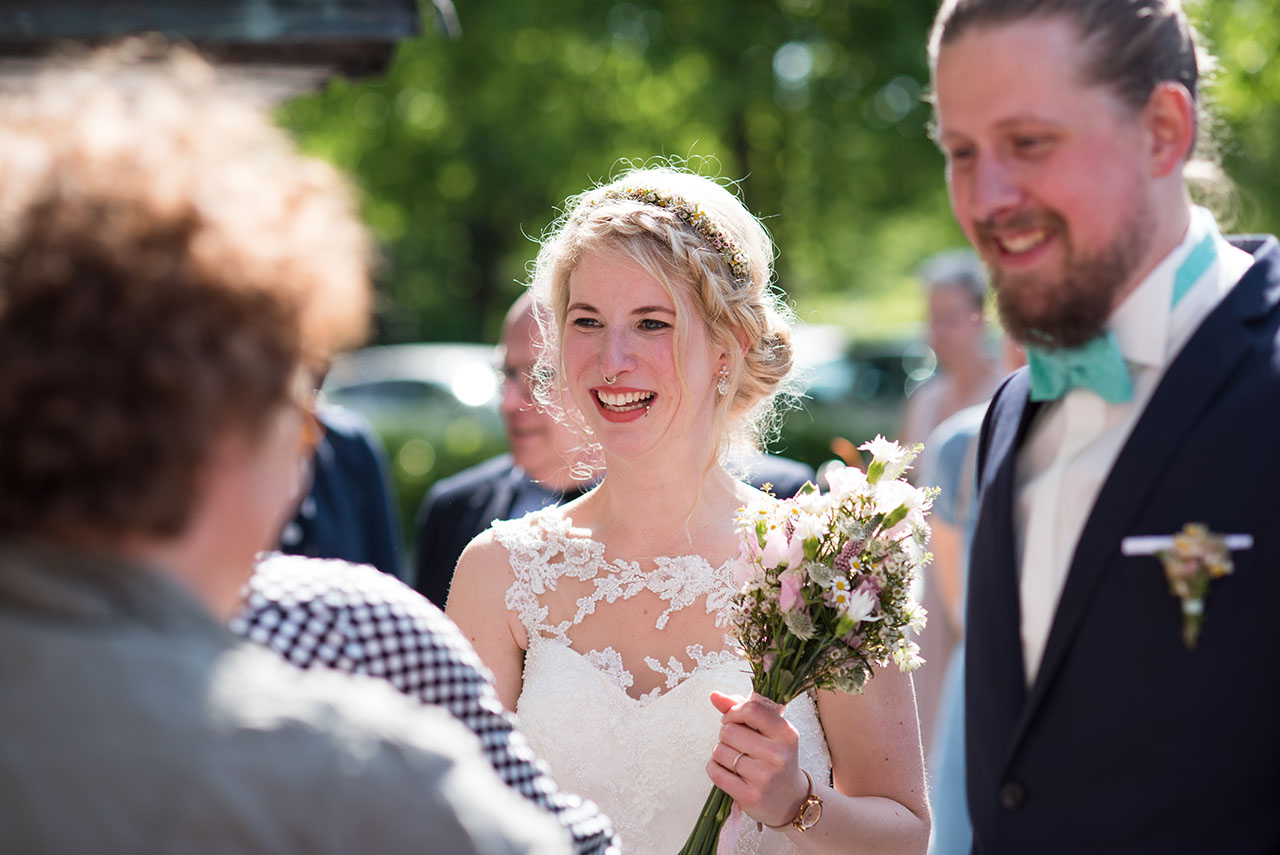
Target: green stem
[(802, 673), (706, 832)]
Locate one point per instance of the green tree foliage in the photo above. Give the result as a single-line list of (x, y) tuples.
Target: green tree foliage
[(466, 146), (1245, 96)]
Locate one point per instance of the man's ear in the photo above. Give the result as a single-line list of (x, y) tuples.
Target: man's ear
[(1170, 119)]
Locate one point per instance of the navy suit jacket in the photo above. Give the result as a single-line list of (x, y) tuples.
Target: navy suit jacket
[(459, 507), (1127, 741), (784, 476), (455, 510), (348, 511)]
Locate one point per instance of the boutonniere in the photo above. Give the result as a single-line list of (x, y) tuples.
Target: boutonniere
[(1192, 559), (1196, 558)]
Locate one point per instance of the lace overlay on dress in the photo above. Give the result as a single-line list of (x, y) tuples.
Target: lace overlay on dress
[(641, 759)]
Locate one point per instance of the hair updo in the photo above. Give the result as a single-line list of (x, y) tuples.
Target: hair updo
[(720, 260)]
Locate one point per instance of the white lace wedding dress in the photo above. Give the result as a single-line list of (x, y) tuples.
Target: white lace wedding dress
[(641, 759)]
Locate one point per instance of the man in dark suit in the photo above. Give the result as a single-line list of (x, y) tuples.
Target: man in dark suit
[(461, 506), (1120, 683), (347, 512), (536, 473)]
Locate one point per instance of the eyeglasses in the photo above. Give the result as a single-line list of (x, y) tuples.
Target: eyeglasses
[(523, 381), (311, 433), (305, 397)]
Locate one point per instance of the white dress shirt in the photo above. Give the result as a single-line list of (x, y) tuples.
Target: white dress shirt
[(1073, 443)]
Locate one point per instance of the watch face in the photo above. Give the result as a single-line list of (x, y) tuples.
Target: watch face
[(810, 814)]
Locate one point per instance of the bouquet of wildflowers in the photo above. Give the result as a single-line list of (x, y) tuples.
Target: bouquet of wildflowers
[(825, 594)]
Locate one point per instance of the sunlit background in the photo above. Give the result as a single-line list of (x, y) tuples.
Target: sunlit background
[(466, 147)]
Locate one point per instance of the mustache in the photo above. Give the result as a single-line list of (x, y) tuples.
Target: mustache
[(1019, 222)]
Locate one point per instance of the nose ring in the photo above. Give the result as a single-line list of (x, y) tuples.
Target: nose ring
[(609, 381)]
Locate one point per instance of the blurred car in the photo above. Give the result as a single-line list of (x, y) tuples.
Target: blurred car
[(853, 391), (435, 406)]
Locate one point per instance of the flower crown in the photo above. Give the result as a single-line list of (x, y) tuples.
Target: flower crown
[(701, 222)]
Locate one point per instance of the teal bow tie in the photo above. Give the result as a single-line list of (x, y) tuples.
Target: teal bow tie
[(1097, 364)]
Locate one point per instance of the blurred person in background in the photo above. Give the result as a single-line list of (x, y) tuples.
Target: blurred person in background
[(168, 265), (347, 510), (953, 470), (955, 287), (537, 472)]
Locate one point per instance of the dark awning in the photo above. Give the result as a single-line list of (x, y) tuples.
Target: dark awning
[(301, 42)]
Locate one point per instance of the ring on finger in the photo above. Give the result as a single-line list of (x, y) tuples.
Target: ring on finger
[(734, 764)]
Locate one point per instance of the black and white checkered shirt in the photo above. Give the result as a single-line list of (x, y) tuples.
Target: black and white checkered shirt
[(357, 619)]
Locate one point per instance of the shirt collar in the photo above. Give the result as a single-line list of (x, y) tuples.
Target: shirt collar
[(1142, 322)]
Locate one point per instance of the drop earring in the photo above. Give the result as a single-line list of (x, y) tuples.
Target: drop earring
[(722, 386)]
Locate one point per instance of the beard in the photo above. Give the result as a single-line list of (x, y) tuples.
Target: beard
[(1073, 307)]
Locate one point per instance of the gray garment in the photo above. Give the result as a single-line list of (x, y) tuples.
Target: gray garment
[(134, 722)]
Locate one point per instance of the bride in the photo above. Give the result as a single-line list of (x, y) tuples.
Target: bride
[(604, 621)]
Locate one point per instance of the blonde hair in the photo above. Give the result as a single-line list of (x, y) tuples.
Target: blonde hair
[(745, 316)]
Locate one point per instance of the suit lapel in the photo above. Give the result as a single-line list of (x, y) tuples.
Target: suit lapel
[(994, 647), (1187, 390), (503, 499)]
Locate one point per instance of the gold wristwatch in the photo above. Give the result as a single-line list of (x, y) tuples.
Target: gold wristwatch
[(810, 810)]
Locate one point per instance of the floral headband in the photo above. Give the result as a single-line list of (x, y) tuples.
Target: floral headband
[(702, 223)]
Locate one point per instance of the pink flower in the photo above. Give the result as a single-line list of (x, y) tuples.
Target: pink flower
[(743, 569), (775, 547), (790, 593), (844, 560), (868, 584), (846, 480), (779, 551), (795, 552)]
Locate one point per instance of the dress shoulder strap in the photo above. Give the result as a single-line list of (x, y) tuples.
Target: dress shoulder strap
[(541, 551)]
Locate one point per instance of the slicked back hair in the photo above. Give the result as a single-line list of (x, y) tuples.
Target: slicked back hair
[(1133, 45)]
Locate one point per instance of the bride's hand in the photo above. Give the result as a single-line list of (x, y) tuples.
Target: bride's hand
[(756, 760)]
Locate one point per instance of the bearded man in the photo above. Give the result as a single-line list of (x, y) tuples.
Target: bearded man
[(1120, 680)]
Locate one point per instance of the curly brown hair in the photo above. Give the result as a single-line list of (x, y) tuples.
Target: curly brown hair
[(167, 262)]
